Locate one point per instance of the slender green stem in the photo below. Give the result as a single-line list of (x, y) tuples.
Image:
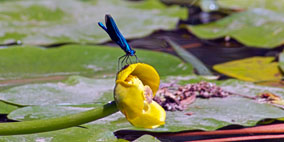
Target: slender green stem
[(36, 126)]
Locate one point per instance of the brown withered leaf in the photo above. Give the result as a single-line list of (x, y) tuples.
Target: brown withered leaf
[(173, 97)]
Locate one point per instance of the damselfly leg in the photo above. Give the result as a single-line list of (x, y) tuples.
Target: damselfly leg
[(137, 60), (125, 60), (120, 63)]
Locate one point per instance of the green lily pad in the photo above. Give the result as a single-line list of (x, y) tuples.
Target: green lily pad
[(214, 113), (147, 138), (246, 27), (90, 133), (76, 90), (281, 61), (206, 114), (44, 112), (247, 4), (6, 108), (253, 69), (41, 22), (33, 62)]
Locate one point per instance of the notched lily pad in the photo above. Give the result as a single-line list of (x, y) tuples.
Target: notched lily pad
[(253, 69)]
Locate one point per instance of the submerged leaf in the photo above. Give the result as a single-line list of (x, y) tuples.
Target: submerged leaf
[(190, 58), (251, 69)]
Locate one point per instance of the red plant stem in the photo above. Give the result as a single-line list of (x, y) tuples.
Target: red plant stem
[(243, 138), (275, 128)]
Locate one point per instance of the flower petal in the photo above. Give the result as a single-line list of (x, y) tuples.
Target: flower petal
[(129, 99), (154, 117), (146, 73)]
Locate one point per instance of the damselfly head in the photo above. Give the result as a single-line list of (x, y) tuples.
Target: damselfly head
[(132, 52)]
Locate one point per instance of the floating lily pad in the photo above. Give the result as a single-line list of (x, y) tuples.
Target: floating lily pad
[(6, 108), (281, 61), (49, 22), (206, 114), (251, 69), (33, 62), (80, 91), (147, 138), (44, 112), (247, 4), (246, 27), (214, 113), (90, 133)]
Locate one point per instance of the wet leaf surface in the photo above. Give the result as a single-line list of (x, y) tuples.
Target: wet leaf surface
[(50, 22), (253, 69)]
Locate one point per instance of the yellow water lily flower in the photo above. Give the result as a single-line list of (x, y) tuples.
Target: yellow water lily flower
[(135, 88)]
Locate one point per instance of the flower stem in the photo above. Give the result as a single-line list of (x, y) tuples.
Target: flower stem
[(36, 126)]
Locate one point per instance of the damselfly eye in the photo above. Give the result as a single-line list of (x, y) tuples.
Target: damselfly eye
[(132, 52)]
